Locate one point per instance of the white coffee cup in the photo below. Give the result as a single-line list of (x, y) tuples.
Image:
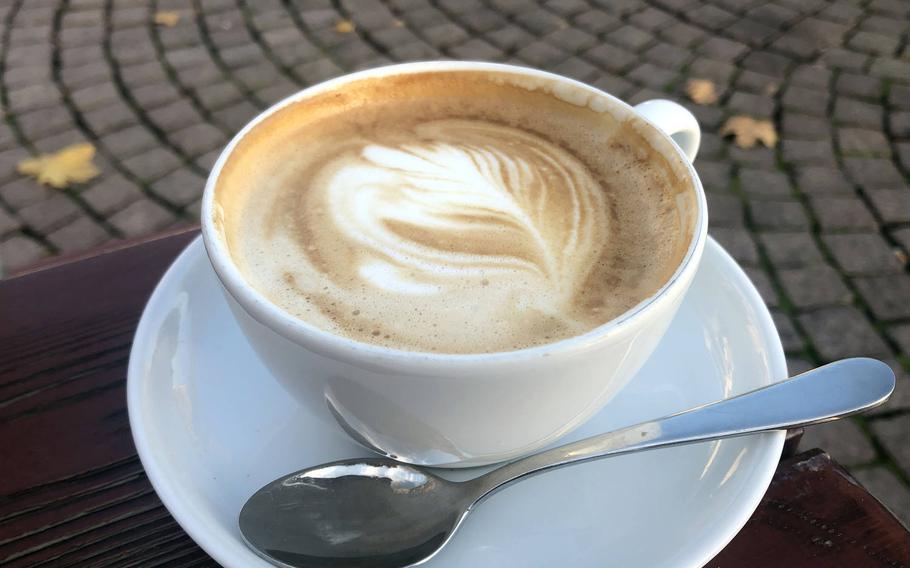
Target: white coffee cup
[(474, 409)]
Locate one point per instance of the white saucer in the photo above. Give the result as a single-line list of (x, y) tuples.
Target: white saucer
[(211, 427)]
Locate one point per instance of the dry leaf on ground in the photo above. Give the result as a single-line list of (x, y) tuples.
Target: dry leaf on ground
[(167, 18), (748, 131), (344, 26), (701, 91), (72, 164)]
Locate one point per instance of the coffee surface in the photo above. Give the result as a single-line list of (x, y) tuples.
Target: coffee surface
[(453, 212)]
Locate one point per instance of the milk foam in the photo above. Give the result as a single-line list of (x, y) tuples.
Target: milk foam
[(487, 185), (446, 231)]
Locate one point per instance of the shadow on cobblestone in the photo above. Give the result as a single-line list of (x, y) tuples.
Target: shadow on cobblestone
[(821, 221)]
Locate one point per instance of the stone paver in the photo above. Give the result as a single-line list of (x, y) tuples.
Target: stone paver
[(848, 213), (886, 295), (892, 434), (141, 218), (842, 438), (900, 398), (798, 365), (789, 336), (739, 243), (863, 253), (18, 251), (823, 180), (778, 215), (901, 334), (791, 249), (842, 332), (821, 221), (49, 214), (763, 284), (111, 194), (180, 187), (892, 205), (814, 286), (80, 234), (902, 236), (8, 222), (888, 489)]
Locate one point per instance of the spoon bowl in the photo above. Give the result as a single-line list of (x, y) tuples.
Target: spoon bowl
[(362, 512)]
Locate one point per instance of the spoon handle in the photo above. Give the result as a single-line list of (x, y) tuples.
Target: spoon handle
[(826, 393)]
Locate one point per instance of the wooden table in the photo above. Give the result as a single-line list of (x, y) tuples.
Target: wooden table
[(73, 493)]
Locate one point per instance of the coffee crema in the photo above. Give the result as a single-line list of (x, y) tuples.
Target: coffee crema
[(453, 212)]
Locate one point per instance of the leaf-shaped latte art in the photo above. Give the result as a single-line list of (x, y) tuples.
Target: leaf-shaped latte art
[(469, 199)]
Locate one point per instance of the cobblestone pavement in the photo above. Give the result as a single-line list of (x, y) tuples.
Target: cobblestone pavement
[(821, 222)]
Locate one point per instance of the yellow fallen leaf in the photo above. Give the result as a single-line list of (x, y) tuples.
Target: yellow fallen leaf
[(344, 26), (72, 164), (701, 91), (167, 18), (398, 23), (748, 131)]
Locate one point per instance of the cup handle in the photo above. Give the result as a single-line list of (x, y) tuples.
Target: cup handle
[(676, 121)]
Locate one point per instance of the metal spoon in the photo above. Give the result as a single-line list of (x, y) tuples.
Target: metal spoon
[(378, 513)]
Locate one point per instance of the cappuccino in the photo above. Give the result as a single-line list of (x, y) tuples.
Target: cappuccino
[(453, 212)]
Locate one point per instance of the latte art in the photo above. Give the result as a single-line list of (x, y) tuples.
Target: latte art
[(423, 218), (472, 202)]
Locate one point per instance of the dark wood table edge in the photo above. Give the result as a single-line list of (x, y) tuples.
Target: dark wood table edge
[(105, 249), (815, 513), (808, 459)]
